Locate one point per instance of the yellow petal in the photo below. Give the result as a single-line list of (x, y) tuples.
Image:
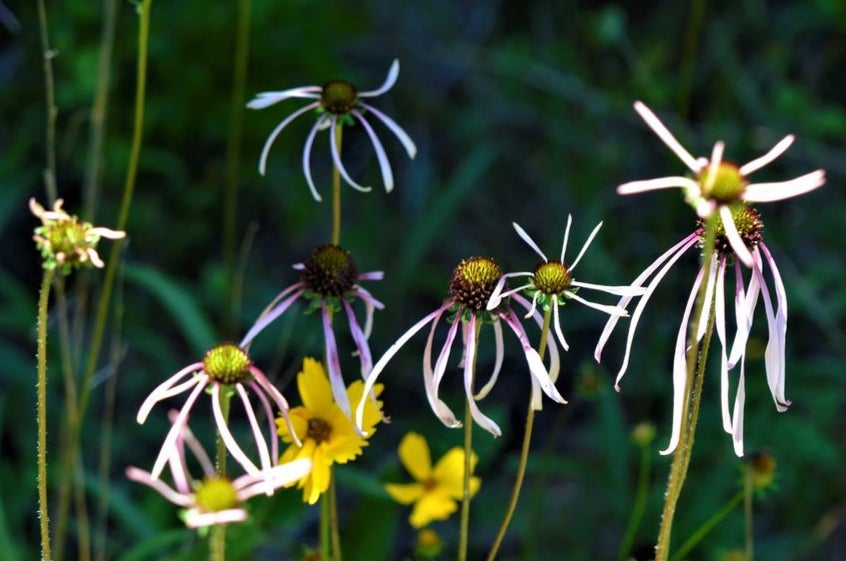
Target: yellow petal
[(449, 472), (372, 409), (414, 455), (314, 388), (433, 506), (318, 479), (344, 443), (299, 420), (404, 493)]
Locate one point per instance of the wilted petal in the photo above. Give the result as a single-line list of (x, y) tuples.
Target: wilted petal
[(272, 138), (403, 137), (384, 164), (266, 99)]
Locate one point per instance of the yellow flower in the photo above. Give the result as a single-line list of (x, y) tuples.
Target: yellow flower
[(437, 490), (327, 434)]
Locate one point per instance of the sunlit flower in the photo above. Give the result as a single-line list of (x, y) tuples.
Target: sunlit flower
[(717, 184), (329, 282), (224, 368), (437, 490), (337, 103), (472, 284), (327, 434), (214, 499), (746, 295), (551, 283), (66, 242)]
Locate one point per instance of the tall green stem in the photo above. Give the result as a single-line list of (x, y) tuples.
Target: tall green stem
[(691, 42), (524, 451), (333, 519), (639, 503), (218, 536), (325, 523), (41, 406), (52, 111), (464, 531), (747, 513), (696, 359), (336, 191), (233, 160), (707, 526)]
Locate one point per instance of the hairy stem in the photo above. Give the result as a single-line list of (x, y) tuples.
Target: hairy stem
[(464, 531), (218, 535), (52, 111), (336, 192), (41, 406)]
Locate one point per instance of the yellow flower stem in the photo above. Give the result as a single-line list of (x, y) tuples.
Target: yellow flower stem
[(333, 518), (707, 526), (464, 532), (325, 522), (233, 161), (639, 503), (747, 513), (696, 359), (217, 545), (41, 415), (524, 452), (336, 191)]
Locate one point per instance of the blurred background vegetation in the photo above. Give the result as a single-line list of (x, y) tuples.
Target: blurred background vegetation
[(521, 112)]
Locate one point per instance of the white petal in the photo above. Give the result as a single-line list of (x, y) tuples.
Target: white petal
[(740, 249), (666, 136), (774, 153), (403, 137), (272, 138), (384, 164), (585, 246), (644, 185), (390, 80), (766, 192), (266, 99), (528, 239)]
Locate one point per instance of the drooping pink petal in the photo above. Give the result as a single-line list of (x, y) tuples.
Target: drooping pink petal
[(779, 190), (309, 143), (272, 138), (666, 136), (339, 165), (720, 323), (500, 355), (268, 316), (281, 403), (226, 435), (778, 350), (551, 347), (360, 341), (168, 446), (442, 411), (556, 320), (266, 99), (737, 245), (278, 476), (401, 135), (469, 364), (271, 422), (258, 437), (773, 359), (644, 185), (384, 163), (737, 418), (774, 153), (333, 363), (536, 366), (443, 356), (390, 80), (166, 389), (141, 476)]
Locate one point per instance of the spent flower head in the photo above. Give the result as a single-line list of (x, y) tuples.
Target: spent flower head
[(66, 242), (551, 283), (436, 490), (214, 499), (329, 282), (327, 434), (718, 185), (470, 289), (337, 103), (224, 368)]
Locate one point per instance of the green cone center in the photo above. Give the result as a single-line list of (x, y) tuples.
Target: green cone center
[(552, 277), (215, 494), (727, 186), (338, 97), (749, 225), (473, 281), (227, 363), (330, 271)]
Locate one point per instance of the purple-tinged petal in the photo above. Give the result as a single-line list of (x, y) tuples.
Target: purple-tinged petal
[(469, 363), (266, 99), (333, 362), (720, 323), (644, 185), (529, 241), (442, 411), (270, 390), (774, 153), (261, 445), (271, 423), (709, 297), (556, 320), (773, 359), (767, 192), (390, 80), (737, 420), (309, 143), (500, 355), (248, 486), (226, 436), (610, 310), (401, 135), (536, 365), (188, 438), (196, 519), (360, 341), (585, 246), (272, 138), (372, 276), (497, 296), (666, 136), (384, 163), (269, 314), (680, 368), (166, 389), (169, 444), (551, 347), (443, 357), (742, 315), (740, 249), (336, 159), (781, 324), (141, 476)]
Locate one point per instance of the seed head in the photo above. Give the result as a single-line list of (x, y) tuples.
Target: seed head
[(338, 97), (227, 363), (473, 281), (330, 271)]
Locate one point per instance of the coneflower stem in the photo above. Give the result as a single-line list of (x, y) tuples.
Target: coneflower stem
[(747, 513), (524, 451), (696, 358), (48, 54), (41, 406), (325, 533), (707, 526), (333, 519), (336, 191), (218, 536), (464, 530)]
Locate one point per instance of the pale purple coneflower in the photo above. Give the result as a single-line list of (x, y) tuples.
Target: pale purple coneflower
[(337, 103), (215, 499), (225, 367), (472, 284), (718, 183), (551, 283), (330, 282), (746, 295)]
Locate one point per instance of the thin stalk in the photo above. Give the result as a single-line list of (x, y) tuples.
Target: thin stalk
[(707, 526), (218, 535), (639, 503), (691, 43), (126, 201), (696, 359), (52, 111), (336, 192), (325, 523), (464, 531), (524, 451), (747, 513), (333, 520), (233, 159), (41, 406)]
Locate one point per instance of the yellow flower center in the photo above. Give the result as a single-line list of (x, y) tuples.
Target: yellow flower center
[(749, 225), (473, 281), (339, 97), (552, 277), (728, 184), (215, 494), (318, 430), (227, 363), (330, 271)]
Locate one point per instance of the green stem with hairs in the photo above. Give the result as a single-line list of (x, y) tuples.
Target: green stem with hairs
[(639, 503), (336, 191), (52, 111), (325, 523), (464, 531), (524, 451), (41, 407), (218, 534), (696, 359), (707, 526), (333, 519), (747, 513)]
